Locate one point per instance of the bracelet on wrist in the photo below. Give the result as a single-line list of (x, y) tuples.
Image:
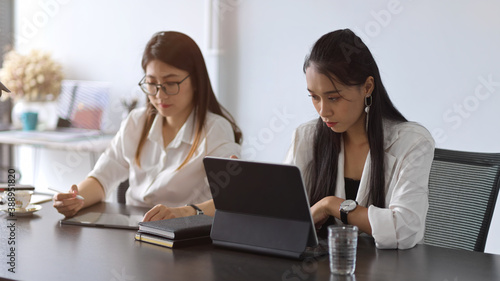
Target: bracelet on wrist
[(198, 210)]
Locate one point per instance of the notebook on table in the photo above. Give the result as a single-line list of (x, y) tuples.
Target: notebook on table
[(171, 243), (261, 207), (177, 232), (11, 187), (179, 228)]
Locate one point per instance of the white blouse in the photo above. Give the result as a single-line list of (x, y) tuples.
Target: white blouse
[(158, 181), (409, 151)]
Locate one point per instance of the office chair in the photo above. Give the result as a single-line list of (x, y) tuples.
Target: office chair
[(463, 188), (122, 189)]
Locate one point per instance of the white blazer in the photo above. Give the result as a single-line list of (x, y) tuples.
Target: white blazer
[(409, 151)]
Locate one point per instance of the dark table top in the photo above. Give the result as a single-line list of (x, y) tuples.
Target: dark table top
[(46, 250)]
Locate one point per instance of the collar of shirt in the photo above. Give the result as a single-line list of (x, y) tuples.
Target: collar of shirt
[(185, 134), (390, 133)]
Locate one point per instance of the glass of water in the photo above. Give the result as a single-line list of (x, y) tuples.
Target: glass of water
[(342, 245)]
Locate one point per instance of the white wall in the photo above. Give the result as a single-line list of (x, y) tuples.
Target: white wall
[(435, 57)]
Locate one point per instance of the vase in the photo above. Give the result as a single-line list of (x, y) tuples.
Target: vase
[(46, 114)]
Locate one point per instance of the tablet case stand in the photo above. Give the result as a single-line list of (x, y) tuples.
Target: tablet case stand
[(260, 207), (259, 234)]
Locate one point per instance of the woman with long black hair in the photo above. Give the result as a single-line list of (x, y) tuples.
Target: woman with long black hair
[(364, 164)]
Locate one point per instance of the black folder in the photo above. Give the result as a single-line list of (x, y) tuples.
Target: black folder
[(260, 207)]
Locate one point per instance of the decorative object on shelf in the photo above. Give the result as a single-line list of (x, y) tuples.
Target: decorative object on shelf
[(29, 120), (129, 106), (46, 112), (35, 83)]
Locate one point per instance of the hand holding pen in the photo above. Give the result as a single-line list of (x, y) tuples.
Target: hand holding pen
[(69, 203)]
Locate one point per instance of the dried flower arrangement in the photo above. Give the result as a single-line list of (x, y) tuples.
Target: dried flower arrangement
[(32, 77)]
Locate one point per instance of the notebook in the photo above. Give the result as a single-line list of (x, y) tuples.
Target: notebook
[(176, 232), (261, 207), (179, 228), (171, 243), (6, 187)]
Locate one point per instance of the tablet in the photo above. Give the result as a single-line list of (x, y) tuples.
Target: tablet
[(261, 207), (97, 219)]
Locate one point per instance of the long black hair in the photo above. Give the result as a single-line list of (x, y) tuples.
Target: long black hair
[(343, 55)]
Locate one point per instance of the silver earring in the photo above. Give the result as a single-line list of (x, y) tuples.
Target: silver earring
[(368, 103)]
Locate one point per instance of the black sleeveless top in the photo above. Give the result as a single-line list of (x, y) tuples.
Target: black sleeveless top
[(351, 188)]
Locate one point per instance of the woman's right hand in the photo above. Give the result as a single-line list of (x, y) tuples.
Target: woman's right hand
[(67, 203)]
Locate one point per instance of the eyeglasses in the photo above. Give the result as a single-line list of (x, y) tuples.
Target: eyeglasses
[(169, 88)]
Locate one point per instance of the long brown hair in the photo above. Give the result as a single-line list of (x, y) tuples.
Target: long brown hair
[(180, 51), (341, 53)]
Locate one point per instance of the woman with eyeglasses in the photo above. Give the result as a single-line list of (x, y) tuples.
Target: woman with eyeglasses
[(160, 148), (363, 163)]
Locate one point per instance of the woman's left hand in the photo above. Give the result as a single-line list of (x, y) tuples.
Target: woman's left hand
[(319, 214), (328, 206), (162, 212)]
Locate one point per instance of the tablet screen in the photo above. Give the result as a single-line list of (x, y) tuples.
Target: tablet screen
[(105, 220)]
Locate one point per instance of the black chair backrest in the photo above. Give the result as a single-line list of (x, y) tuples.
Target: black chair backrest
[(120, 193), (463, 188)]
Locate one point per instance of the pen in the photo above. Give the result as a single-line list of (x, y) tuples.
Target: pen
[(58, 191)]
